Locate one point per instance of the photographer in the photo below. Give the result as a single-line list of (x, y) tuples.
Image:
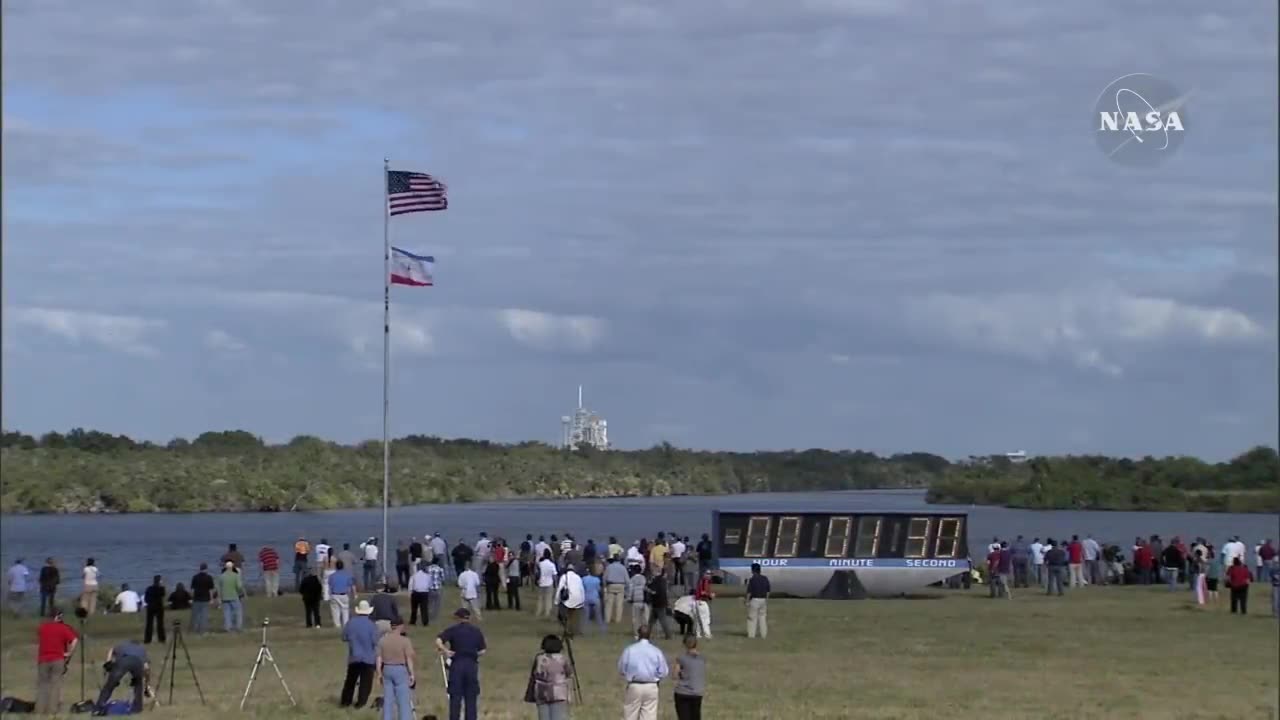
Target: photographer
[(127, 658), (56, 642), (572, 596)]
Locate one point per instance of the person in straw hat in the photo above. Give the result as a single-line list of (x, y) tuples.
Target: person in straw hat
[(361, 637)]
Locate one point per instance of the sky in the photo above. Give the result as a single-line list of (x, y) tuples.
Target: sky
[(872, 224)]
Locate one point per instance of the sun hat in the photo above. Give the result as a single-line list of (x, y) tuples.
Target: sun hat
[(364, 608)]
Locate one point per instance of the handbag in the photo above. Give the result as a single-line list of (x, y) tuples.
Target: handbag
[(530, 696)]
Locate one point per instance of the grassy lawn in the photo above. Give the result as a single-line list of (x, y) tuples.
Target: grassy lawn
[(1098, 652)]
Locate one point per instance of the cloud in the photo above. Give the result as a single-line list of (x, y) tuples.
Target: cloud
[(829, 222), (119, 333), (546, 331), (222, 341)]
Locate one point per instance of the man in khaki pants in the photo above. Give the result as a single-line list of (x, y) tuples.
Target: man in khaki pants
[(56, 642), (642, 666), (757, 603), (615, 585)]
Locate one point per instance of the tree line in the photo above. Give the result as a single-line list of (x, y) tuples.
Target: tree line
[(234, 470)]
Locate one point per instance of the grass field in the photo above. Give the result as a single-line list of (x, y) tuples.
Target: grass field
[(1096, 653)]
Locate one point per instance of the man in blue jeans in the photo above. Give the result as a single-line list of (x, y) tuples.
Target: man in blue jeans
[(230, 592)]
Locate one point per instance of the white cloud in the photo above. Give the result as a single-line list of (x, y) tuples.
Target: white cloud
[(1086, 328), (223, 341), (546, 331), (121, 333)]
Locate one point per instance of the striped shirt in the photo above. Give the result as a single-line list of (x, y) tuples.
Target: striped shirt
[(435, 578), (269, 558)]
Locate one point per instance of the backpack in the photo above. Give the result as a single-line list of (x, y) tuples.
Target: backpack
[(15, 706)]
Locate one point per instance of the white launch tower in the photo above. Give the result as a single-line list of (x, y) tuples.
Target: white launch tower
[(584, 428)]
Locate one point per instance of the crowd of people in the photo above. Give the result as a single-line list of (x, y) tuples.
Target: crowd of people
[(586, 588), (1055, 565)]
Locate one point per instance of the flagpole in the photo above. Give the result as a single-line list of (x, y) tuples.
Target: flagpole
[(386, 359)]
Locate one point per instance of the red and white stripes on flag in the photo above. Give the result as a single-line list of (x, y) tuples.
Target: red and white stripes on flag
[(410, 192), (410, 269)]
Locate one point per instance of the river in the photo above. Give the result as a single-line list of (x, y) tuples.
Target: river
[(132, 548)]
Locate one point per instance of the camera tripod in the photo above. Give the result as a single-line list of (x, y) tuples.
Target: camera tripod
[(264, 653), (170, 663), (566, 638)]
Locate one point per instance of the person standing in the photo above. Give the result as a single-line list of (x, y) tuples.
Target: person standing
[(638, 598), (1171, 564), (691, 681), (394, 668), (462, 644), (1055, 566), (202, 592), (492, 585), (1273, 573), (1267, 553), (469, 590), (550, 676), (17, 576), (592, 607), (419, 592), (1092, 552), (341, 587), (546, 584), (301, 554), (643, 667), (704, 596), (678, 549), (361, 637), (1037, 562), (659, 605), (269, 559), (403, 562), (572, 597), (370, 550), (55, 643), (233, 556), (615, 585), (1214, 574), (312, 593), (435, 591), (1195, 568), (230, 588), (1021, 562), (515, 570), (49, 579), (462, 554), (89, 587), (153, 599), (1238, 583), (757, 600), (1075, 559)]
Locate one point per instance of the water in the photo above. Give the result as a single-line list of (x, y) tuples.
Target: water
[(132, 548)]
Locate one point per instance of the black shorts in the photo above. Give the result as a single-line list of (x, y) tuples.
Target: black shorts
[(1212, 584)]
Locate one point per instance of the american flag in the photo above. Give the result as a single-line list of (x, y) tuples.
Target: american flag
[(409, 192)]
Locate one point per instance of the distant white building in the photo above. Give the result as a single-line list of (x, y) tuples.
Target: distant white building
[(584, 428), (1019, 456)]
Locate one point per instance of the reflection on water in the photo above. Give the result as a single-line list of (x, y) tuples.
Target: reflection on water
[(132, 548)]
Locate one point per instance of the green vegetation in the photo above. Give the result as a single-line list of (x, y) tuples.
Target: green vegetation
[(1095, 653), (1248, 483), (90, 471)]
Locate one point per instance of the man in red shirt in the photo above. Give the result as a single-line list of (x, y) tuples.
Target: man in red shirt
[(1238, 582), (270, 561), (56, 642), (1075, 558), (1142, 561)]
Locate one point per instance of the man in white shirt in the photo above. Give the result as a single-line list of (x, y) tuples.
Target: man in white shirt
[(1092, 556), (546, 586), (1037, 561), (539, 548), (322, 553), (370, 549), (89, 585), (677, 557), (482, 548), (571, 596), (634, 556), (18, 575), (469, 584), (1233, 550), (128, 600)]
